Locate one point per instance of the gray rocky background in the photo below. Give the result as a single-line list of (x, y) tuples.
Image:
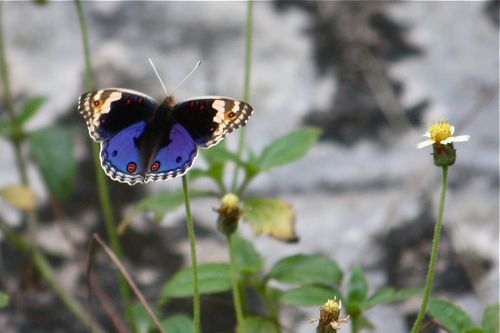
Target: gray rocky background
[(371, 74)]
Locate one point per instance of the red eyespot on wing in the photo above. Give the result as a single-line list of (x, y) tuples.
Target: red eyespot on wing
[(129, 100), (155, 166), (131, 167), (191, 104), (202, 106)]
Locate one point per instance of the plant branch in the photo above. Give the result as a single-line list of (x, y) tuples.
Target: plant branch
[(104, 196)]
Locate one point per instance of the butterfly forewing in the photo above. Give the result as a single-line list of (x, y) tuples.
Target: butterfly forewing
[(210, 118), (108, 111)]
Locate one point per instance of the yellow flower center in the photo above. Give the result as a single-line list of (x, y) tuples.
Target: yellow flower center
[(440, 131), (332, 306)]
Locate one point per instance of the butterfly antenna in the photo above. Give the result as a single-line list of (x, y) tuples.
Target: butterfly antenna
[(187, 76), (158, 76)]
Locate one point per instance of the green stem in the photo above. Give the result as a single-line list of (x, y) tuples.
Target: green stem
[(354, 324), (246, 86), (238, 306), (434, 254), (194, 260), (104, 196), (10, 107)]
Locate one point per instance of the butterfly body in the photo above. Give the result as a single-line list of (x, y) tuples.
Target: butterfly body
[(144, 141)]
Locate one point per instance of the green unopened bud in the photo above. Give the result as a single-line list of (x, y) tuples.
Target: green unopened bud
[(444, 155), (229, 214)]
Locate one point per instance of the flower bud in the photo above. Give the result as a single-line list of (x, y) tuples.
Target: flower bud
[(229, 214), (444, 155)]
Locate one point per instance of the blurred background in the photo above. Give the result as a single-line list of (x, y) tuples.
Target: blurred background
[(371, 75)]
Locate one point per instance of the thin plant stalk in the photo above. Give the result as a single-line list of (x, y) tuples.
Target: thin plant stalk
[(104, 196), (434, 254), (246, 87), (238, 306), (194, 260), (39, 260)]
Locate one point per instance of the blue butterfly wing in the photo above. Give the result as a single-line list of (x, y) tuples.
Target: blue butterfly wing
[(108, 111), (175, 158), (209, 119), (120, 155)]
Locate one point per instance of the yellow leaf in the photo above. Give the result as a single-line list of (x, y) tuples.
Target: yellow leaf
[(19, 196), (270, 216)]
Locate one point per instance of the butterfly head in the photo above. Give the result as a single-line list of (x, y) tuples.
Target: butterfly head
[(169, 101)]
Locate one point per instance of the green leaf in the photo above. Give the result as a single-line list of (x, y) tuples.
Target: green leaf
[(388, 295), (248, 260), (490, 321), (288, 148), (307, 269), (259, 325), (52, 148), (4, 299), (364, 322), (165, 202), (474, 330), (6, 127), (270, 216), (213, 278), (450, 316), (30, 107), (142, 319), (357, 291), (309, 295), (178, 323)]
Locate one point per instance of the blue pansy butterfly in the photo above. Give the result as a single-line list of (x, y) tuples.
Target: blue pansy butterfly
[(142, 140)]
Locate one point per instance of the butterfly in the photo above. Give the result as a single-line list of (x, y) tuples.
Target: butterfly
[(143, 141)]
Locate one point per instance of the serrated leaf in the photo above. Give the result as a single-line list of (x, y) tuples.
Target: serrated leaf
[(307, 269), (490, 320), (213, 278), (270, 216), (309, 295), (357, 291), (388, 295), (52, 148), (288, 148), (247, 259), (179, 323), (450, 316), (19, 196), (30, 107), (259, 325), (4, 299)]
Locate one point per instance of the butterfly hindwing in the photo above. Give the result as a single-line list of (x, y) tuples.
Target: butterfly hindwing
[(209, 119), (121, 157), (175, 158), (108, 111)]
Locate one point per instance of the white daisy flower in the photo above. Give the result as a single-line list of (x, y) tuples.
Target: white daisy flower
[(441, 132)]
